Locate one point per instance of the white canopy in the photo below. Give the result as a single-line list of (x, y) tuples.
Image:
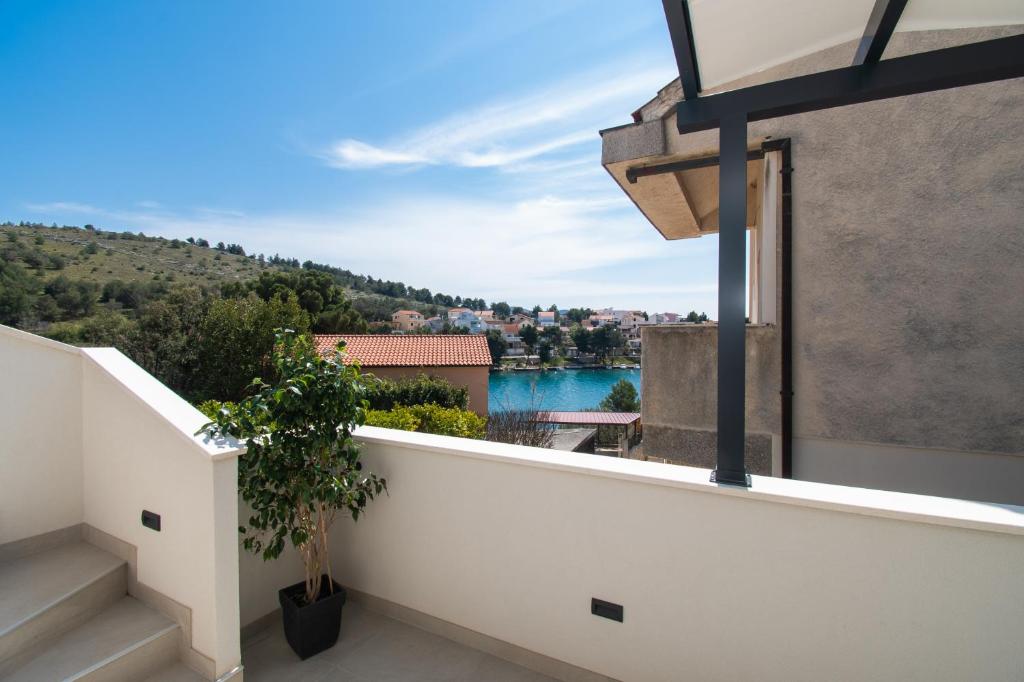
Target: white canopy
[(736, 38)]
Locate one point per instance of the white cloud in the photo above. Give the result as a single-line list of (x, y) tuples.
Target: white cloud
[(535, 124), (63, 207), (356, 154)]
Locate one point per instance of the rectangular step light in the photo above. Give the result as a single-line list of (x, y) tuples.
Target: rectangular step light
[(151, 520), (606, 609)]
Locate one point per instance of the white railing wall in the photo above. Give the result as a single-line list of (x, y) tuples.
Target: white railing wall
[(789, 580), (89, 437), (40, 435)]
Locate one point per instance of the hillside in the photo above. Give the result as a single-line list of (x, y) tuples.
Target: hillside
[(99, 257)]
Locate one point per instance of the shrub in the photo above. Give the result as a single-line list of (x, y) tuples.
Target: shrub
[(385, 394), (443, 421), (400, 418)]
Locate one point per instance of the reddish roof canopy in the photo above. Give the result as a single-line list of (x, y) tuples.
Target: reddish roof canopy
[(619, 418), (393, 350)]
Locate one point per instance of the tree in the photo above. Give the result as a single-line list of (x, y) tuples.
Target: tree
[(236, 338), (166, 340), (17, 293), (329, 310), (694, 317), (529, 336), (577, 315), (497, 344), (75, 298), (605, 339), (544, 351), (302, 464), (582, 338), (536, 310), (553, 335), (554, 309), (501, 309), (622, 398)]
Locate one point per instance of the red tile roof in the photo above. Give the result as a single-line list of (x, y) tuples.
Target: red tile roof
[(394, 350)]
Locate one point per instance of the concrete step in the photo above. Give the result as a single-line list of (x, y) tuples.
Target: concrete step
[(127, 641), (49, 593), (178, 672)]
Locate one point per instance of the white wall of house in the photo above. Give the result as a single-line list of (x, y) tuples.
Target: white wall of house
[(789, 580), (90, 437)]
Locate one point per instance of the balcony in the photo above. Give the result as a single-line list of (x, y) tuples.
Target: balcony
[(484, 559)]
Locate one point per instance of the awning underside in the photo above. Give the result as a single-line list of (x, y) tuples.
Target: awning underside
[(684, 204), (737, 38)]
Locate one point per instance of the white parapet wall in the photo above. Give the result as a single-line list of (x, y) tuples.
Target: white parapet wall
[(40, 435), (90, 437), (788, 580)]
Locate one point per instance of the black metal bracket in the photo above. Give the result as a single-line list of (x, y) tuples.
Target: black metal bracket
[(730, 480), (884, 17), (680, 29)]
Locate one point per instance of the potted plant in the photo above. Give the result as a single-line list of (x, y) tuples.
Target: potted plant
[(301, 468)]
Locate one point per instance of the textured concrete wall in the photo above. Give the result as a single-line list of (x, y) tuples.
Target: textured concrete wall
[(680, 393)]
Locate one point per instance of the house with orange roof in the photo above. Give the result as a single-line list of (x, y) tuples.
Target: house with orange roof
[(460, 359), (407, 320)]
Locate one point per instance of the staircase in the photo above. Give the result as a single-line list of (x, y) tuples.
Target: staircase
[(65, 614)]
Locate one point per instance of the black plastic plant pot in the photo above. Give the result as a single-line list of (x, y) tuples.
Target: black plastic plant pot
[(311, 628)]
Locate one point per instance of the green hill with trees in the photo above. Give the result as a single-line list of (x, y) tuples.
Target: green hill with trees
[(198, 316)]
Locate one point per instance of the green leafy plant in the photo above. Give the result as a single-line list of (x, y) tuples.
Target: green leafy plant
[(430, 418), (400, 418), (302, 465)]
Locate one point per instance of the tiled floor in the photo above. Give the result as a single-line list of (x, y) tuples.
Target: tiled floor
[(375, 648)]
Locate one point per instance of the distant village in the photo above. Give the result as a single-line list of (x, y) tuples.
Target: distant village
[(519, 338)]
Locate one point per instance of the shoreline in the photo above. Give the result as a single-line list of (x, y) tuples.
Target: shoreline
[(501, 370)]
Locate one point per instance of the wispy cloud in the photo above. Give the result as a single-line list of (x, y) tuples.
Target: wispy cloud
[(63, 207), (550, 119)]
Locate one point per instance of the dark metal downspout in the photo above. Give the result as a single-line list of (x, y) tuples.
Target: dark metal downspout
[(786, 286)]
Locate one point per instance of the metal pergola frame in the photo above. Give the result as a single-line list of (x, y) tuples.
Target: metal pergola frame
[(868, 79)]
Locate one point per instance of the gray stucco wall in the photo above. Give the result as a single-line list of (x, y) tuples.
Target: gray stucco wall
[(908, 249), (680, 394), (908, 282)]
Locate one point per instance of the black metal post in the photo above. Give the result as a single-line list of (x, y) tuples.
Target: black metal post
[(732, 274)]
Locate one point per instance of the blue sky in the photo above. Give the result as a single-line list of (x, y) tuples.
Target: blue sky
[(450, 145)]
